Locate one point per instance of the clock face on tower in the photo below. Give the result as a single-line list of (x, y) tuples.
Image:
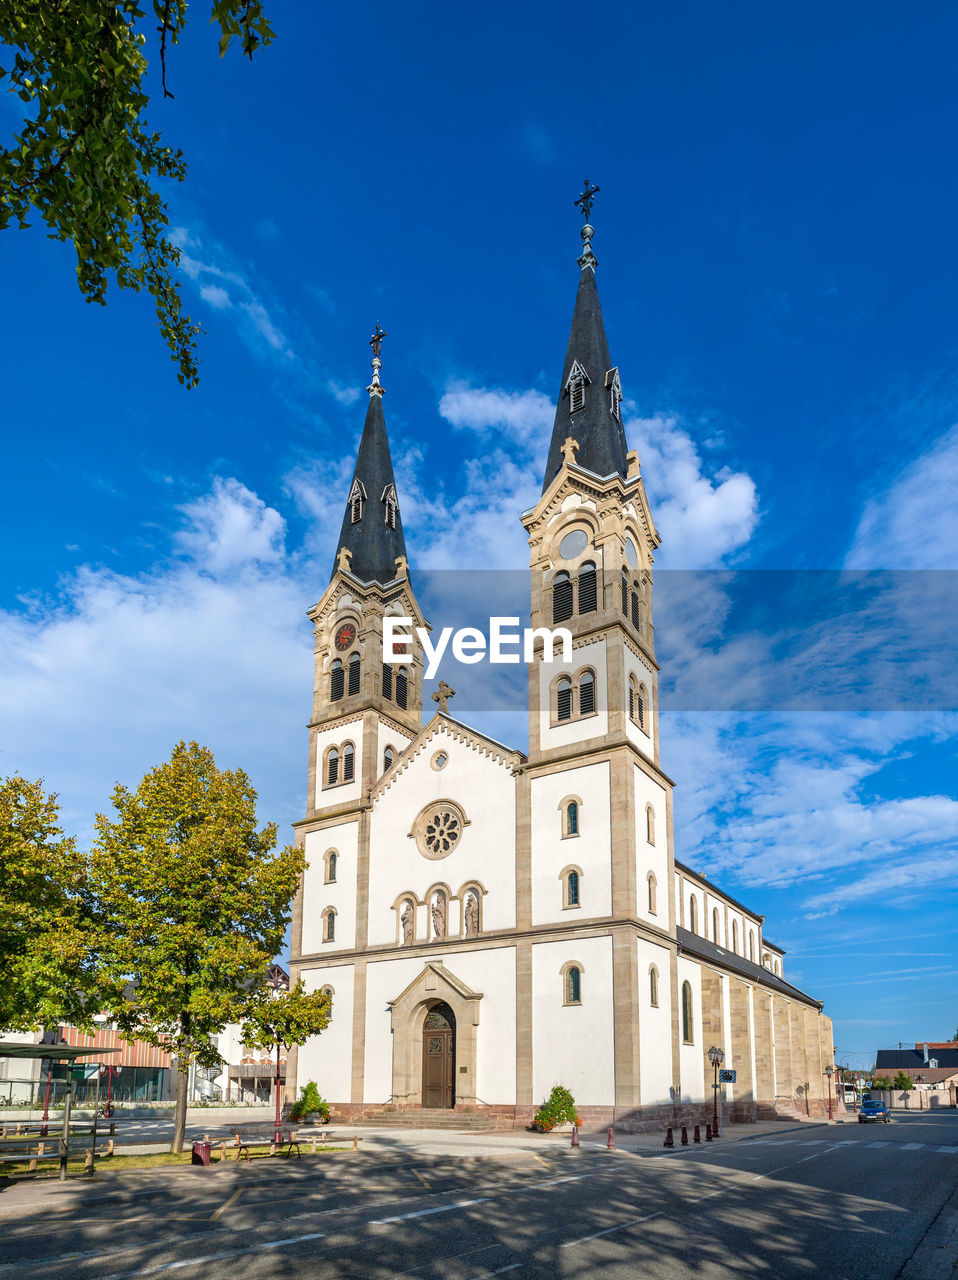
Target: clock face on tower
[(345, 636)]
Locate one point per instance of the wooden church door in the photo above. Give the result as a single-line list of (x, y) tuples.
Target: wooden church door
[(439, 1057)]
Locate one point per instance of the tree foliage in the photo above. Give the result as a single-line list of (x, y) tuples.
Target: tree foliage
[(86, 160), (192, 904), (902, 1082), (284, 1018), (44, 956)]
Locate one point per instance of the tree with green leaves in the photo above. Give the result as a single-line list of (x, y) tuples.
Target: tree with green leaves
[(275, 1019), (44, 934), (902, 1082), (192, 903), (85, 160)]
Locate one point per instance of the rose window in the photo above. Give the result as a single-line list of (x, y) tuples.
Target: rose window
[(438, 829)]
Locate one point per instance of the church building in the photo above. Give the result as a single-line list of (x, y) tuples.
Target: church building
[(491, 923)]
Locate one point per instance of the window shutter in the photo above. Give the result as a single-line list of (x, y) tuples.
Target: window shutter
[(586, 694), (387, 680), (561, 597), (348, 764), (625, 594), (564, 701), (587, 588), (336, 681), (402, 688), (354, 674), (635, 608), (332, 767)]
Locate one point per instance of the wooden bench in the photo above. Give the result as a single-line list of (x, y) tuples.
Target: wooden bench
[(245, 1144)]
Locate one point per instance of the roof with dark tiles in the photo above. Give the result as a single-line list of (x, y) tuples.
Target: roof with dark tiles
[(726, 959), (374, 545), (601, 438)]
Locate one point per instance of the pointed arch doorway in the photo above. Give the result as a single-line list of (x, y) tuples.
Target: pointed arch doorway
[(439, 1057)]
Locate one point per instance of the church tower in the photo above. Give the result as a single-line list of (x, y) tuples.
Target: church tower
[(600, 803), (365, 710)]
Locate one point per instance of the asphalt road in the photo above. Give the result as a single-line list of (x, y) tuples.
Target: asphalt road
[(851, 1202)]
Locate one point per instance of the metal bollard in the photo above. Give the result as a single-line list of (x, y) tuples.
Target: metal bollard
[(708, 1132), (575, 1135), (610, 1140), (696, 1136), (355, 1141), (685, 1136), (669, 1140)]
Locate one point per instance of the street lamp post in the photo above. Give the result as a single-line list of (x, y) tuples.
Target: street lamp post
[(829, 1072), (716, 1057), (277, 1124)]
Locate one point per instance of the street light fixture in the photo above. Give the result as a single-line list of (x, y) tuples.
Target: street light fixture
[(716, 1057), (829, 1072)]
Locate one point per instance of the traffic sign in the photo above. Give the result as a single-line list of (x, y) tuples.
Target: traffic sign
[(726, 1077)]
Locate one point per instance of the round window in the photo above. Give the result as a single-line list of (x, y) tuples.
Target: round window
[(438, 829), (630, 553), (573, 544), (439, 760)]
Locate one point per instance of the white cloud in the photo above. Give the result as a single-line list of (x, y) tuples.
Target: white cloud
[(914, 523), (342, 394), (525, 417), (703, 519), (230, 528), (216, 296)]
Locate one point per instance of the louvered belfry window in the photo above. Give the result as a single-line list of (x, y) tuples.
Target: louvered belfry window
[(625, 594), (635, 607), (564, 700), (587, 588), (349, 759), (387, 680), (586, 694), (332, 767), (337, 678), (402, 687), (577, 395), (561, 597), (354, 664)]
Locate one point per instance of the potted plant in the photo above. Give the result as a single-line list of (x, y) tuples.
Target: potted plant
[(560, 1109), (310, 1106)]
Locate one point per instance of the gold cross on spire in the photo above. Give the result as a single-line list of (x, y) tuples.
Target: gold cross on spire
[(442, 696), (586, 200)]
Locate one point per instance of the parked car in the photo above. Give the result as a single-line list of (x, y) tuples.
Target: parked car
[(872, 1109)]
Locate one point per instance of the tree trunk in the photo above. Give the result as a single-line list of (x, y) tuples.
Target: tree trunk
[(182, 1089)]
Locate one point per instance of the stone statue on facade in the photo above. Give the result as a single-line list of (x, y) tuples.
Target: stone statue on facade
[(472, 916), (439, 916), (406, 920)]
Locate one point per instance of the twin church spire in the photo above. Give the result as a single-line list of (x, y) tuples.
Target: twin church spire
[(588, 410)]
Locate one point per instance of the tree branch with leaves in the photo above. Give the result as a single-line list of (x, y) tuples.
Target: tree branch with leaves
[(85, 160)]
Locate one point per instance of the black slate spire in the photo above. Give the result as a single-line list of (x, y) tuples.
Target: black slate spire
[(596, 426), (372, 526)]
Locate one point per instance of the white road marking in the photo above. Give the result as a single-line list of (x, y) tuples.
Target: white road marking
[(425, 1213), (706, 1197), (275, 1244), (570, 1244), (513, 1266), (948, 1150), (912, 1146), (758, 1177), (876, 1144)]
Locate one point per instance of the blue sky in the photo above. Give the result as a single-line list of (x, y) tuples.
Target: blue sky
[(775, 233)]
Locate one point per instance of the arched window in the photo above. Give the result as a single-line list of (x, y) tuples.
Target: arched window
[(587, 693), (349, 757), (336, 681), (402, 687), (693, 915), (650, 824), (766, 960), (332, 767), (332, 861), (388, 757), (687, 1027), (357, 501), (751, 946), (354, 661), (572, 889), (328, 991), (652, 892), (573, 985), (564, 699), (576, 388), (633, 697), (635, 605), (387, 680), (329, 925), (391, 503), (587, 588), (625, 593), (654, 987), (715, 925), (642, 708), (735, 936), (561, 597), (571, 819)]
